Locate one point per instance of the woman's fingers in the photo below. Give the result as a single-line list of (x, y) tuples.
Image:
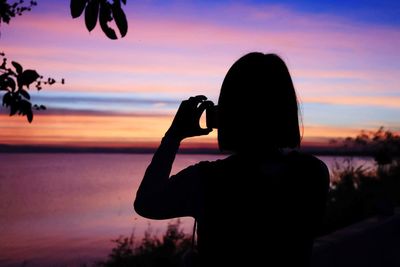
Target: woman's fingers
[(198, 98), (186, 121), (199, 103), (204, 131), (203, 106)]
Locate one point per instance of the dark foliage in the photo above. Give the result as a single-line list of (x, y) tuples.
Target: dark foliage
[(105, 12), (16, 82), (151, 251), (357, 192), (9, 11)]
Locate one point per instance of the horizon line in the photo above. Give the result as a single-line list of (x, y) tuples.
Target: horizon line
[(328, 150)]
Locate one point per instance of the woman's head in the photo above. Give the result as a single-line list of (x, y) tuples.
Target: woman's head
[(257, 106)]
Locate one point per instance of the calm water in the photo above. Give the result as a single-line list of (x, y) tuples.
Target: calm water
[(64, 209)]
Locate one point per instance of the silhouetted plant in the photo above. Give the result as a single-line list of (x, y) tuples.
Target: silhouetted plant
[(9, 11), (345, 199), (105, 12), (151, 251), (383, 145), (16, 82), (357, 193)]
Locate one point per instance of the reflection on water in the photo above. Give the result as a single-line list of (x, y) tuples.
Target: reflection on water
[(64, 209)]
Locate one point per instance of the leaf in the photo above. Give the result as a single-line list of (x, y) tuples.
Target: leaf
[(7, 98), (6, 82), (10, 83), (42, 107), (91, 14), (77, 7), (29, 116), (105, 17), (13, 109), (51, 81), (25, 105), (27, 77), (120, 18), (24, 93), (3, 65), (3, 77), (17, 66)]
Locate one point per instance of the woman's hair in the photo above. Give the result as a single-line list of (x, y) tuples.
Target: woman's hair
[(257, 106)]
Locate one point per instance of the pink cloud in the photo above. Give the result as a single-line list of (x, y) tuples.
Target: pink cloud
[(165, 43)]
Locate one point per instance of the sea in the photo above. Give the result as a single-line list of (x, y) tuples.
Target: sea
[(65, 209)]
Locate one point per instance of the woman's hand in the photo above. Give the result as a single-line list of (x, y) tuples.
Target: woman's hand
[(187, 118)]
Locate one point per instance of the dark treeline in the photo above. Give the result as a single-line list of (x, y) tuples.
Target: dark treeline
[(326, 151)]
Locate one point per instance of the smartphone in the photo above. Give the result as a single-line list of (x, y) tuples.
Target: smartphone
[(211, 117)]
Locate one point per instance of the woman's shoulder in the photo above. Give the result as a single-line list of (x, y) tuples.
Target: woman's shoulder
[(306, 158), (314, 171), (308, 163), (219, 167), (208, 165)]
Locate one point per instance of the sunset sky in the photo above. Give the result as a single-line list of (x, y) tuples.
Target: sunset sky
[(343, 56)]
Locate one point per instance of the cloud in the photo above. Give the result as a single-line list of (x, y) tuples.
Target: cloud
[(107, 102), (88, 130), (377, 101), (175, 51), (316, 131), (198, 48)]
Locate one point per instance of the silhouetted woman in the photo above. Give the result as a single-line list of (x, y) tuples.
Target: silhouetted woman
[(263, 204)]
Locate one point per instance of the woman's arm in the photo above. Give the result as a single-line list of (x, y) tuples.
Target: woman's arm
[(161, 197), (148, 202)]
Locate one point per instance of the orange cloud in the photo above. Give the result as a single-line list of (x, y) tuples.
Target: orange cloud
[(119, 131), (322, 131), (87, 130)]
